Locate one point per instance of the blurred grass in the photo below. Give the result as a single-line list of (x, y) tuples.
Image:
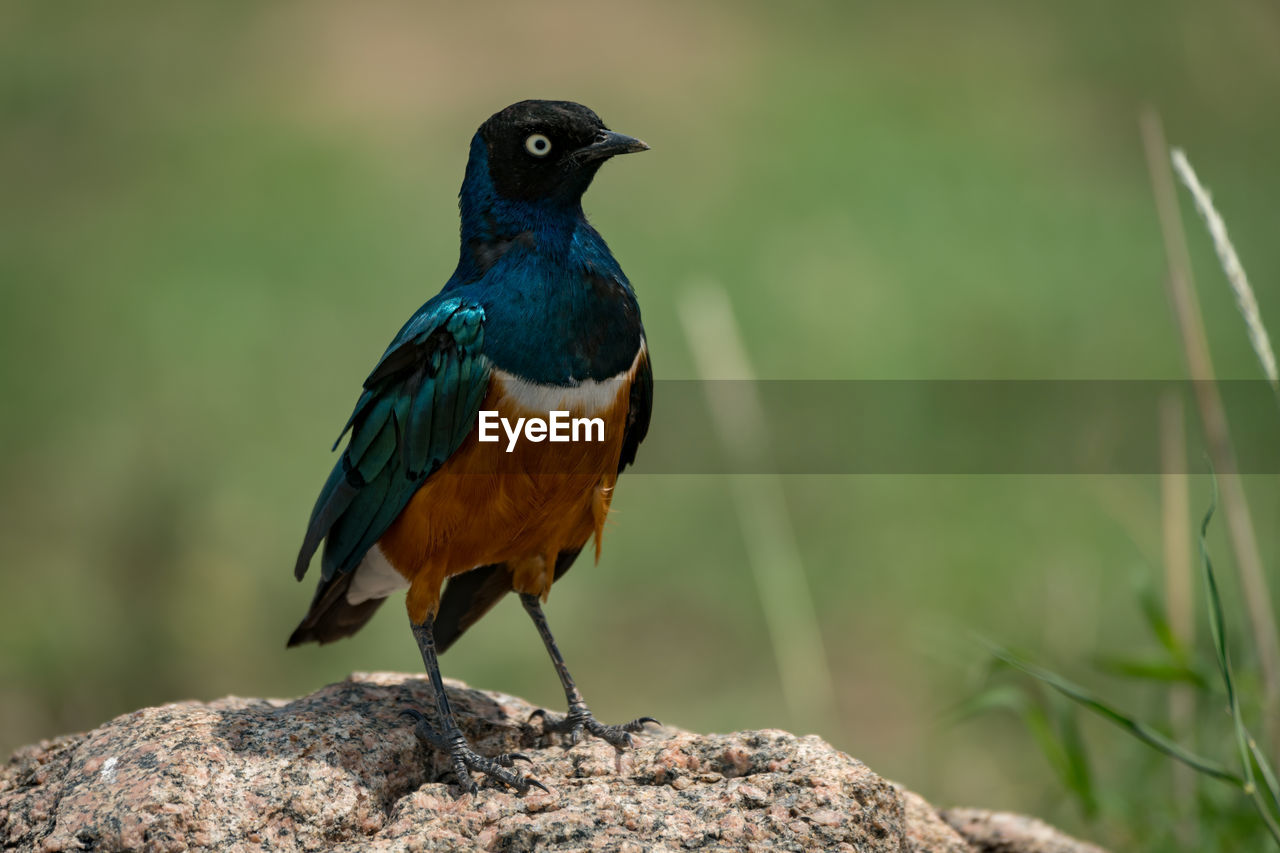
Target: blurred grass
[(1202, 814), (214, 217)]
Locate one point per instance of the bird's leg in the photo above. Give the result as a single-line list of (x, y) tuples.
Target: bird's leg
[(579, 717), (449, 737)]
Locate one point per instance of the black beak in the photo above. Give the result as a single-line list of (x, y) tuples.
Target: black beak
[(608, 144)]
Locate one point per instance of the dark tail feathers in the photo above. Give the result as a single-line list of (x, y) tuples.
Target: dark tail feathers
[(466, 598), (331, 617)]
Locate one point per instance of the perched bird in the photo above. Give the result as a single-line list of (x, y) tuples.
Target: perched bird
[(537, 318)]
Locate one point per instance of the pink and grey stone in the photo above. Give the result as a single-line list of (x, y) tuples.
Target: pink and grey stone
[(341, 770)]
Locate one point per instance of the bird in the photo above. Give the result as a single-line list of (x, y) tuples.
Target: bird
[(537, 318)]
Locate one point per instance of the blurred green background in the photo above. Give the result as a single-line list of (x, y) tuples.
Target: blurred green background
[(213, 218)]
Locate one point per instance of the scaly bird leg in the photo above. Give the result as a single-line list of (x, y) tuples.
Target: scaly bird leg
[(579, 716), (450, 738)]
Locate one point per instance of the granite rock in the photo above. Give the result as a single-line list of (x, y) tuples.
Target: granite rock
[(341, 770), (996, 832)]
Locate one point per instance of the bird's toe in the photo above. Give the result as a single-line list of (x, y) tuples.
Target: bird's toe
[(580, 719), (465, 760)]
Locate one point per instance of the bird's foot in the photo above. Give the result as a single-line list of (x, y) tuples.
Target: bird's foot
[(465, 759), (579, 719)]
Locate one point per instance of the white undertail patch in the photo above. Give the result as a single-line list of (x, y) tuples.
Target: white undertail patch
[(374, 578)]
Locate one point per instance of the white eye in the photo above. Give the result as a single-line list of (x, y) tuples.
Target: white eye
[(537, 145)]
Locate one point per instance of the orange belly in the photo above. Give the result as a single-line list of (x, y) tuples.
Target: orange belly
[(522, 508)]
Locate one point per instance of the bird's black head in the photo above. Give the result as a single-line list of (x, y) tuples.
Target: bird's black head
[(548, 149)]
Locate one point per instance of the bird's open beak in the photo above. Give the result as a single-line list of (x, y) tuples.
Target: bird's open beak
[(609, 144)]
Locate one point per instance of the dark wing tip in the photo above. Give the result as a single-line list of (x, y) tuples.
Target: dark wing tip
[(331, 617)]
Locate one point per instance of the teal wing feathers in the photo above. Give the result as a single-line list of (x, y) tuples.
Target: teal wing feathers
[(418, 405)]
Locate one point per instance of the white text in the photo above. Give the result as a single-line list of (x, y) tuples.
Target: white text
[(557, 427)]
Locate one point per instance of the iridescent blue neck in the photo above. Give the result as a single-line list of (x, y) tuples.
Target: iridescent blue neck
[(491, 223)]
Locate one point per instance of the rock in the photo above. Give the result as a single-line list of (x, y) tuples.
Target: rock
[(341, 770), (996, 832)]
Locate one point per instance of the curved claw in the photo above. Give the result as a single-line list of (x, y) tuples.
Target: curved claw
[(508, 759), (639, 723), (535, 783), (423, 730)]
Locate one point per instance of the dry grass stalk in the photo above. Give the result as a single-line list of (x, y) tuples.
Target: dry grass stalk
[(1175, 502), (772, 548), (1240, 530), (1231, 265)]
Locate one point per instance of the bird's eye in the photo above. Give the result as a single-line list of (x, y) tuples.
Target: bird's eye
[(537, 145)]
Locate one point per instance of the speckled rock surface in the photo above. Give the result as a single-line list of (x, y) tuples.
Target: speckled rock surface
[(925, 830), (997, 832), (341, 770)]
